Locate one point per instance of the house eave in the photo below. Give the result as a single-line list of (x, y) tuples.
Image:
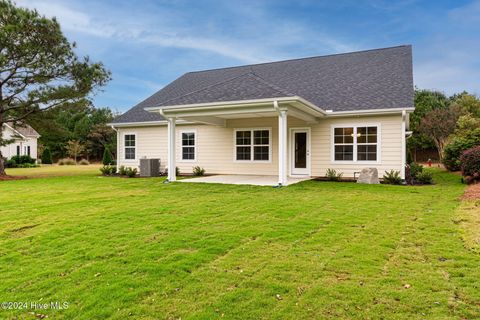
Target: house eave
[(369, 112)]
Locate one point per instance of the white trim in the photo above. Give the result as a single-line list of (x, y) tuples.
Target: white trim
[(233, 104), (15, 130), (123, 145), (282, 145), (369, 112), (171, 132), (195, 146), (404, 144), (146, 123), (252, 145), (292, 151), (355, 145)]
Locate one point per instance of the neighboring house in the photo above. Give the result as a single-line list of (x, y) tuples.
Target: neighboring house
[(288, 118), (24, 140)]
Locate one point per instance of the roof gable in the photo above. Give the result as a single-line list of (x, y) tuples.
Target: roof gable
[(365, 80)]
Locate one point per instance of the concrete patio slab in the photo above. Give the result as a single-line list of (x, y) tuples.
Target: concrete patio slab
[(256, 180)]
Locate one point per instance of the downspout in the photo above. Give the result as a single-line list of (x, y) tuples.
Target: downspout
[(118, 147)]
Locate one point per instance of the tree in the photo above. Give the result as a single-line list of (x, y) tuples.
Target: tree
[(425, 101), (107, 157), (439, 124), (47, 156), (467, 104), (38, 67), (74, 149)]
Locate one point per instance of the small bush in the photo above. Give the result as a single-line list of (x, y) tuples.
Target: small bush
[(392, 177), (424, 177), (177, 171), (415, 169), (23, 159), (108, 170), (470, 164), (131, 172), (84, 162), (454, 150), (198, 171), (10, 163), (47, 156), (122, 171), (332, 175), (107, 157), (66, 162)]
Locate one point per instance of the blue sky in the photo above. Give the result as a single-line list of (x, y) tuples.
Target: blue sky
[(147, 44)]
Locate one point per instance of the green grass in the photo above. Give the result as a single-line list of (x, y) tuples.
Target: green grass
[(54, 171), (140, 249)]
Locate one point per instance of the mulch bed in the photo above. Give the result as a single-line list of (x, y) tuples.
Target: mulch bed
[(7, 178), (472, 192)]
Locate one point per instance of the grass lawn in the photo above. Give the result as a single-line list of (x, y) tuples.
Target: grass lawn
[(140, 249), (54, 171)]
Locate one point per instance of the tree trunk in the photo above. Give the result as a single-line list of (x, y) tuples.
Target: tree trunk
[(2, 165)]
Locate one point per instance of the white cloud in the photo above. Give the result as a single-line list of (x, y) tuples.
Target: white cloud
[(174, 32)]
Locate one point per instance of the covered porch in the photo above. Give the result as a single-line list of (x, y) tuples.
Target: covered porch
[(244, 179), (292, 145)]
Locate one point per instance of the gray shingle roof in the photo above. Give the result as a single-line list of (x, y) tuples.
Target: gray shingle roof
[(24, 129), (364, 80)]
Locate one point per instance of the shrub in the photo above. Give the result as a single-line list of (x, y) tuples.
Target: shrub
[(392, 177), (453, 151), (23, 159), (332, 175), (66, 162), (198, 171), (415, 169), (122, 171), (107, 157), (470, 164), (131, 172), (424, 177), (10, 163), (108, 170), (177, 171), (47, 156), (84, 162)]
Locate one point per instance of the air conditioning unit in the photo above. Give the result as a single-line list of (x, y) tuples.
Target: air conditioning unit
[(149, 167)]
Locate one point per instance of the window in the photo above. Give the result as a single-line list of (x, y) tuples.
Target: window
[(188, 146), (28, 151), (252, 145), (355, 143), (130, 147), (18, 150)]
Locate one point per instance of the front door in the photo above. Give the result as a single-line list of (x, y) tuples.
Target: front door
[(300, 152)]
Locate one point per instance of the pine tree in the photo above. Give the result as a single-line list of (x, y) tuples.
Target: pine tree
[(107, 157), (46, 156)]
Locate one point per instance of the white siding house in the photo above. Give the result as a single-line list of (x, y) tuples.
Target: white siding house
[(24, 141), (294, 118)]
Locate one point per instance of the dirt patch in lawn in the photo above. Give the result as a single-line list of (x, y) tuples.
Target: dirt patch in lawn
[(8, 178), (472, 192)]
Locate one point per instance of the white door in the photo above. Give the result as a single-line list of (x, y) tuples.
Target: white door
[(300, 151)]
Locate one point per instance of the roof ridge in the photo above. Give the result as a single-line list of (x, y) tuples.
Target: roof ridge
[(304, 58), (201, 89), (273, 86), (225, 81)]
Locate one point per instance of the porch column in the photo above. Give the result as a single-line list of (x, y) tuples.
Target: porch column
[(171, 150), (282, 147)]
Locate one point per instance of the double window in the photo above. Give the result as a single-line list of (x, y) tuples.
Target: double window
[(355, 143), (252, 145), (188, 146), (130, 145)]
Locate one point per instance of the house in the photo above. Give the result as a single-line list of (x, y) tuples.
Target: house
[(293, 118), (24, 140)]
